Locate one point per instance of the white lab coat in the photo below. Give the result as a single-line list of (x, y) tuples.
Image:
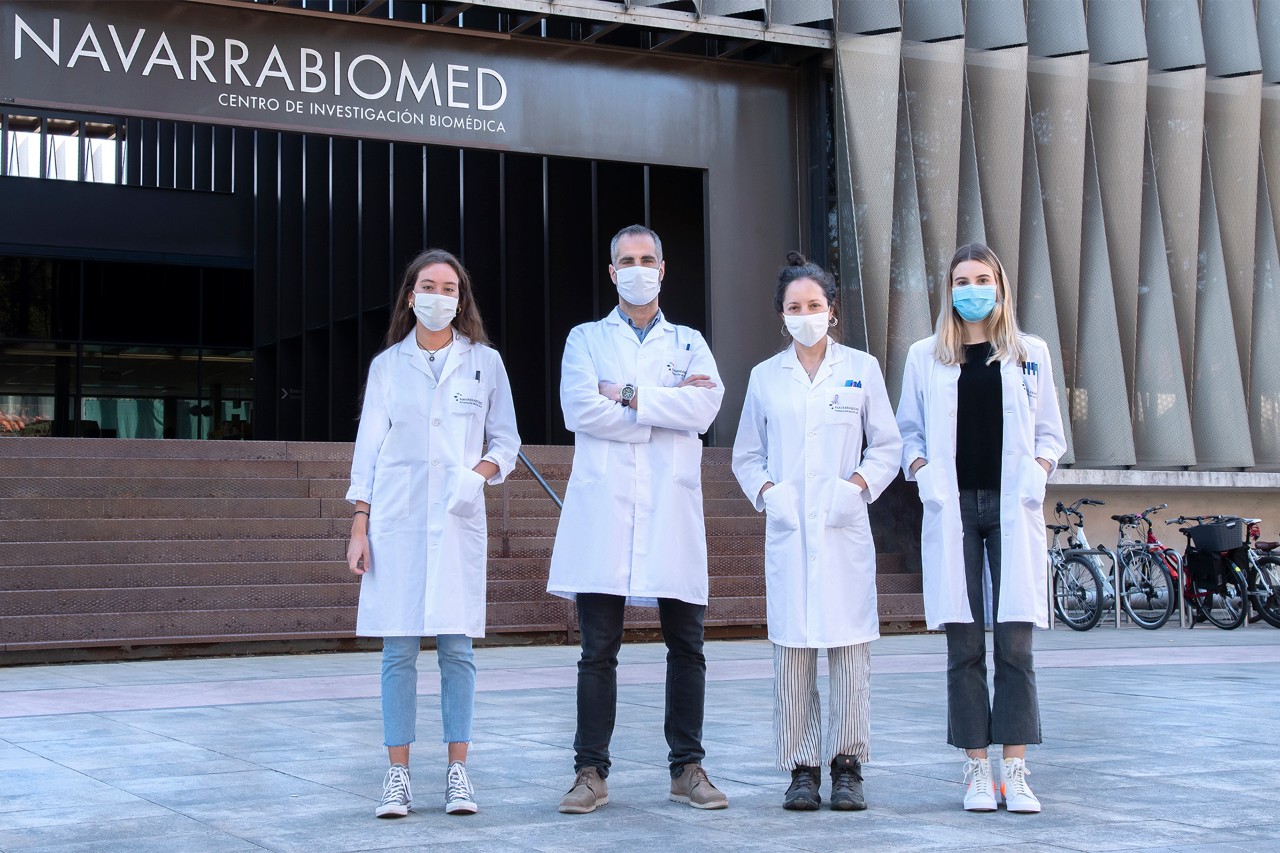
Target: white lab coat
[(417, 444), (1032, 428), (632, 522), (806, 438)]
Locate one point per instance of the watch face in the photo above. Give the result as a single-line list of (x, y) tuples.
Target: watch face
[(627, 392)]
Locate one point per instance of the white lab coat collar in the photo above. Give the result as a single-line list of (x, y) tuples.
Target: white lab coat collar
[(791, 362), (453, 355), (622, 327)]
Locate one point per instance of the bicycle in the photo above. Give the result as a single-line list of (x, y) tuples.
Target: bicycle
[(1213, 585), (1262, 570), (1080, 588), (1146, 580)]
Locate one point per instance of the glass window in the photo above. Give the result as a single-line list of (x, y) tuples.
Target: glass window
[(62, 139), (142, 303), (39, 298), (24, 147), (227, 394), (36, 382), (101, 141), (139, 392)]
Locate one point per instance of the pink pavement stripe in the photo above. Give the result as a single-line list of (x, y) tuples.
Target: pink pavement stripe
[(80, 700)]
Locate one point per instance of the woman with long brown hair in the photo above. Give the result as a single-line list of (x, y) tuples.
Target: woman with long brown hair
[(981, 433), (436, 396)]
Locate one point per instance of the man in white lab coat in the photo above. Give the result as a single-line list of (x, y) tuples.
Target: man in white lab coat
[(636, 391)]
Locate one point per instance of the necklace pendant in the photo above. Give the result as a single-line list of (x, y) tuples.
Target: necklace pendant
[(431, 358)]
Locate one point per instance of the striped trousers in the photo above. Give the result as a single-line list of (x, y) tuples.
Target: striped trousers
[(797, 710)]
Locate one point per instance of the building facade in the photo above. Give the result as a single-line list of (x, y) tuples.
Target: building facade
[(207, 202)]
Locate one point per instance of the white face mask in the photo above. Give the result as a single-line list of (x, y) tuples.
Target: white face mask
[(435, 310), (638, 285), (807, 329)]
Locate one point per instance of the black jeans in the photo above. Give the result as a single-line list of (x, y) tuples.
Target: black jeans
[(600, 621), (974, 721)]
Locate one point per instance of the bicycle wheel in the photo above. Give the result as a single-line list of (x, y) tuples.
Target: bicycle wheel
[(1146, 590), (1226, 603), (1267, 603), (1077, 593)]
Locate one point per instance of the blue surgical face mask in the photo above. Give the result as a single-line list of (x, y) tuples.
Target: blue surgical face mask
[(974, 302)]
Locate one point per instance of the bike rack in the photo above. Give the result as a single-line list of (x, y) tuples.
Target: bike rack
[(1184, 614), (1113, 575), (1113, 579)]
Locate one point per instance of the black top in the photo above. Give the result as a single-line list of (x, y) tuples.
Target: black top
[(979, 420)]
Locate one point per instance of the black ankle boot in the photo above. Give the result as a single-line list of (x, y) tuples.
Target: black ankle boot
[(803, 795), (846, 784)]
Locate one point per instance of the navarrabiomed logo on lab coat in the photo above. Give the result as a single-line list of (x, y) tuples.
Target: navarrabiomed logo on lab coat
[(463, 400), (848, 405)]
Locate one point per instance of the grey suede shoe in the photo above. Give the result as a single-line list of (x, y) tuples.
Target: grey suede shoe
[(589, 791), (693, 787)]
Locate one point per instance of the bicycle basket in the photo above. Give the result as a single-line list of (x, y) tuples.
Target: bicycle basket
[(1218, 536)]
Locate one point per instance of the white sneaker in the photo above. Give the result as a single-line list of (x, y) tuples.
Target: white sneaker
[(981, 794), (397, 797), (459, 798), (1014, 788)]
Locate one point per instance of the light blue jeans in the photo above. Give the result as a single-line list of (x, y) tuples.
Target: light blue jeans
[(400, 687)]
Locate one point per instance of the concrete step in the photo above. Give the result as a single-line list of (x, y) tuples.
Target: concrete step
[(168, 487), (62, 630), (190, 598), (24, 554), (142, 576), (16, 466), (162, 508), (151, 530)]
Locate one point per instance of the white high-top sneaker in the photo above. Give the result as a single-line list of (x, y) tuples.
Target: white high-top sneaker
[(981, 794), (1017, 793)]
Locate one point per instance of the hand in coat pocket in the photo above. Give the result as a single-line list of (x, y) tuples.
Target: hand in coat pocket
[(925, 482), (466, 497), (848, 506), (780, 508), (1035, 480)]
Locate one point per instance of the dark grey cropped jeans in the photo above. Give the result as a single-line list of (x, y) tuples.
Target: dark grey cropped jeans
[(974, 720)]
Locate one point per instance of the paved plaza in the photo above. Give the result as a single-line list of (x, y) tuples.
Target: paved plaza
[(1163, 740)]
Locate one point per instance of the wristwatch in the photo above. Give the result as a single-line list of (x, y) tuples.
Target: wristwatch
[(627, 394)]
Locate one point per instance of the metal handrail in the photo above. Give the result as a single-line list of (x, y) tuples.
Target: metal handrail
[(541, 482)]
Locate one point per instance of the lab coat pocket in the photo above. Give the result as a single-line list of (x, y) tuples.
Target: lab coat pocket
[(845, 406), (466, 497), (676, 368), (468, 397), (391, 498), (780, 510), (848, 506), (929, 489), (687, 460), (1034, 482)]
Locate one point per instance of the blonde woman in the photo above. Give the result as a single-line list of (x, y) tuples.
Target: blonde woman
[(981, 434)]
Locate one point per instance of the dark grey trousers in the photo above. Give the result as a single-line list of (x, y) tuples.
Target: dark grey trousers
[(974, 720)]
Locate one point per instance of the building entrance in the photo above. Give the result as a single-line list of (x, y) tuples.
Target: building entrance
[(254, 285), (338, 219)]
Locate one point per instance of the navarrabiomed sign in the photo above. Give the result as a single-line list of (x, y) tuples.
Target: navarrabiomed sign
[(240, 66)]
